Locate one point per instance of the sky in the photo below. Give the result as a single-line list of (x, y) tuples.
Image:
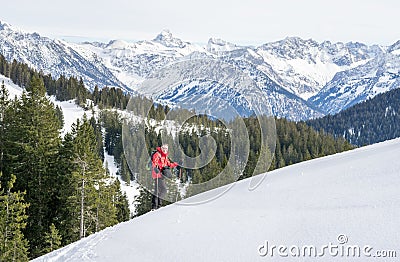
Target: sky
[(251, 22)]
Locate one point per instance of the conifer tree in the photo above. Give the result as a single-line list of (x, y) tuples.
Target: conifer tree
[(66, 189), (98, 134), (121, 203), (124, 171), (3, 106), (52, 239), (91, 204), (143, 201), (31, 153), (87, 173), (13, 245)]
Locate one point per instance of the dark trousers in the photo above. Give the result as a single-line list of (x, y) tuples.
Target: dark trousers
[(160, 190)]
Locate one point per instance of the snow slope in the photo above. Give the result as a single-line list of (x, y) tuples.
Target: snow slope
[(131, 190), (13, 89), (71, 111), (348, 199)]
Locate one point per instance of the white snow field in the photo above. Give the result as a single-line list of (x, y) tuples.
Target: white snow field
[(328, 209), (71, 111)]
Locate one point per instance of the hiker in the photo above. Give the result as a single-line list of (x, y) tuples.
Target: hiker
[(160, 167)]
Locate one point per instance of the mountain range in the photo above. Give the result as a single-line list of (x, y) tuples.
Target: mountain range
[(300, 79)]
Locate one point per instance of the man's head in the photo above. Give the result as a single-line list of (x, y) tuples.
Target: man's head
[(164, 148)]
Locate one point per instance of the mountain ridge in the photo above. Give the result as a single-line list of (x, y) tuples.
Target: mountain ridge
[(318, 78)]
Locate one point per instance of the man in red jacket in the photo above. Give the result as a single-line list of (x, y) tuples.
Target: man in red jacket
[(160, 165)]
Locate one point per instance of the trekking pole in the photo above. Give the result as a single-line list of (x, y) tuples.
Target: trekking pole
[(179, 177)]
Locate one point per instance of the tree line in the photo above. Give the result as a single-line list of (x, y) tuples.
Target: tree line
[(65, 88), (372, 121), (295, 142)]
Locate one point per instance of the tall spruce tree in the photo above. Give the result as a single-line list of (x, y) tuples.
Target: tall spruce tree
[(31, 152), (143, 201), (66, 189), (13, 245), (52, 239), (90, 205), (121, 203), (3, 106)]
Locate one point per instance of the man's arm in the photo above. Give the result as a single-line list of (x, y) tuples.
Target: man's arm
[(171, 164)]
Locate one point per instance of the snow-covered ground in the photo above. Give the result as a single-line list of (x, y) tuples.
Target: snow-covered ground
[(13, 89), (131, 190), (71, 111), (333, 207)]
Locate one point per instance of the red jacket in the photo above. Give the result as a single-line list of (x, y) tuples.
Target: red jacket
[(159, 161)]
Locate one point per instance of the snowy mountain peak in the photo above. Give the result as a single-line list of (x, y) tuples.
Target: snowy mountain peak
[(292, 69), (216, 45), (4, 25), (164, 34), (8, 31), (297, 42), (117, 44), (291, 47), (395, 48), (167, 39), (55, 57)]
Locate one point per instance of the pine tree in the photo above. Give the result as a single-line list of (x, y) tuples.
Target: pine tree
[(3, 106), (60, 115), (91, 205), (88, 171), (66, 189), (124, 171), (52, 239), (13, 245), (143, 201), (121, 203), (98, 134), (31, 151)]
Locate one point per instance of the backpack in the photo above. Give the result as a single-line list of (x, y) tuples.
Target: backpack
[(149, 163)]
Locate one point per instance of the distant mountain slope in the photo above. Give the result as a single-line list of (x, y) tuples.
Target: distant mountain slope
[(304, 71), (132, 62), (372, 121), (345, 201), (353, 86), (305, 66), (54, 56), (302, 79)]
